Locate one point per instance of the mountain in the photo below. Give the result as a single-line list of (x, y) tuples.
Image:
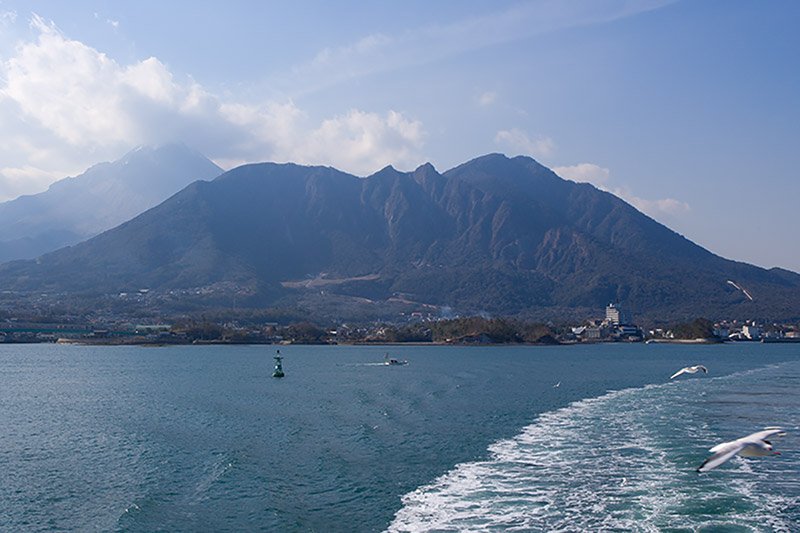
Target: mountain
[(74, 209), (497, 235)]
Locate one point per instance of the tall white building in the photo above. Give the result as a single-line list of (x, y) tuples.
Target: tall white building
[(616, 316), (612, 314)]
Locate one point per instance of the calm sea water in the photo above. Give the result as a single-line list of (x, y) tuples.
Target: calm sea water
[(461, 439)]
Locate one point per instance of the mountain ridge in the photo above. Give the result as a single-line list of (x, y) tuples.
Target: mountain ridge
[(495, 234)]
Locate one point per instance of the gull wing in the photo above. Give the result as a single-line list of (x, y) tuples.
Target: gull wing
[(762, 435), (724, 451), (678, 373), (725, 445), (701, 367)]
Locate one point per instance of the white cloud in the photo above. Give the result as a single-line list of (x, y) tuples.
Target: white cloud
[(151, 79), (65, 105), (19, 180), (68, 88), (521, 142), (487, 98), (585, 173), (363, 142), (113, 23), (7, 18), (654, 208), (600, 178)]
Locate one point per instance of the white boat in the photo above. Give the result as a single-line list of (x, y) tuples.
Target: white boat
[(393, 362)]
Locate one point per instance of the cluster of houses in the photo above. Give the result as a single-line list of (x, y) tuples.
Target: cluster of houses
[(618, 326), (753, 331)]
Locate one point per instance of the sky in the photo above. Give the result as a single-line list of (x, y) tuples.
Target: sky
[(688, 110)]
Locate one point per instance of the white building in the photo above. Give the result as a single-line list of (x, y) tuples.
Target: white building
[(612, 314), (751, 332)]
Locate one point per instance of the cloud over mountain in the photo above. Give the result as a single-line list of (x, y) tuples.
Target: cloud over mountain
[(600, 177), (82, 105), (520, 141), (107, 194)]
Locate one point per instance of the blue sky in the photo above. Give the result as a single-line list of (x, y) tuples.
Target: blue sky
[(688, 109)]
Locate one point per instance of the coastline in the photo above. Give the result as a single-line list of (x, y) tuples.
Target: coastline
[(689, 341), (142, 341)]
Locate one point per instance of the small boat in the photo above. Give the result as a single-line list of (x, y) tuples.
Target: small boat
[(393, 362)]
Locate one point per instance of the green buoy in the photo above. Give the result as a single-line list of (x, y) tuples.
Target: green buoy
[(278, 372)]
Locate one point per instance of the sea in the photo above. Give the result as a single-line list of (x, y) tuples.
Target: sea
[(501, 438)]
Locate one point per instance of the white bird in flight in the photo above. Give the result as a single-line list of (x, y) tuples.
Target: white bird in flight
[(689, 370), (755, 445)]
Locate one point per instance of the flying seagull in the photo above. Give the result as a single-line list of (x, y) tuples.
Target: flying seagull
[(689, 370), (755, 445)]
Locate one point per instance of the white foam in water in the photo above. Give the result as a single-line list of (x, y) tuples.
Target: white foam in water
[(625, 460)]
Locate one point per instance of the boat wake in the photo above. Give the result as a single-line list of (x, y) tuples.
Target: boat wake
[(625, 460)]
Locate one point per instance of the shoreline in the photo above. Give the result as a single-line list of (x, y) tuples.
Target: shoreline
[(129, 341), (690, 341)]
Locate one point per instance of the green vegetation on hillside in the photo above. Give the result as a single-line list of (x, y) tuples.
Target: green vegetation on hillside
[(699, 328)]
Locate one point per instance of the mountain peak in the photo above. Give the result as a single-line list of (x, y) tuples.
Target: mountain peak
[(503, 159), (105, 195), (387, 171), (426, 167), (496, 162)]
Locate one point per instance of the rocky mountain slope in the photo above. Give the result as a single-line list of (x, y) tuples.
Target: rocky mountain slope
[(497, 235)]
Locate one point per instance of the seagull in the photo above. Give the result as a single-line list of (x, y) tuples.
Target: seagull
[(755, 445), (689, 370), (557, 385)]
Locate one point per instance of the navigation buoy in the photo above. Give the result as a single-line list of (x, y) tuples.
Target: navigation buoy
[(278, 372)]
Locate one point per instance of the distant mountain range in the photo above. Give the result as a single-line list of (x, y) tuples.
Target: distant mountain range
[(504, 236), (74, 209)]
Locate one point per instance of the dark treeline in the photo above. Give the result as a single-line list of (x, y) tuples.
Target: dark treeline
[(699, 328), (471, 330)]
